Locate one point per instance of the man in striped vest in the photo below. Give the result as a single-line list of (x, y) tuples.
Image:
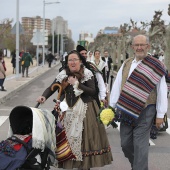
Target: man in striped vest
[(140, 95)]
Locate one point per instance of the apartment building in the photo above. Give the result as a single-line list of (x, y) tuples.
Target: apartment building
[(31, 23)]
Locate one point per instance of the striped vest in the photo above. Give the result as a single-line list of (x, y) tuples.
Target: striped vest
[(139, 89), (127, 64)]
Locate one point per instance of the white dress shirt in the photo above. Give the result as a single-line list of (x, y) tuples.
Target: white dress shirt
[(106, 61), (101, 86), (161, 103)]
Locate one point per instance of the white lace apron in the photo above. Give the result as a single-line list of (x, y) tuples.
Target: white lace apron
[(73, 123), (73, 120)]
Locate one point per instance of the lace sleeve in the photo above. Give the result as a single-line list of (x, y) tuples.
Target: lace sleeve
[(87, 75), (61, 76)]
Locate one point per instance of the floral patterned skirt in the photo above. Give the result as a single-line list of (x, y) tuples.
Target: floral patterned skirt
[(96, 150)]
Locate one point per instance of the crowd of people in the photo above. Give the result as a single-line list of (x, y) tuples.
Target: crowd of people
[(136, 96), (25, 59)]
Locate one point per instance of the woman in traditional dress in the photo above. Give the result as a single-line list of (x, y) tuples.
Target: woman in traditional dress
[(90, 56), (86, 136), (100, 64)]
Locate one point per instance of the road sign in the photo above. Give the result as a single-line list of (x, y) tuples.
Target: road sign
[(21, 29), (37, 38)]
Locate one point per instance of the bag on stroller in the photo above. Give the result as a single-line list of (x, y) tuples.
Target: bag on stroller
[(31, 143)]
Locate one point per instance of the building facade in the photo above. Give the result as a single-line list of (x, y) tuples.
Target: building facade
[(31, 23), (61, 26), (111, 30)]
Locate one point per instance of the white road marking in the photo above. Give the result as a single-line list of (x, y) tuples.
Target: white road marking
[(3, 119), (151, 143), (5, 109), (168, 129)]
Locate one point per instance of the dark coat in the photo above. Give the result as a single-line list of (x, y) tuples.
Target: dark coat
[(27, 59), (13, 60), (88, 88), (50, 58)]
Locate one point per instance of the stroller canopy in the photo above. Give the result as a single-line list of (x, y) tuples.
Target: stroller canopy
[(21, 120), (39, 122)]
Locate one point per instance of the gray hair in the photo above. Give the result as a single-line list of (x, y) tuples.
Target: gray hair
[(147, 38)]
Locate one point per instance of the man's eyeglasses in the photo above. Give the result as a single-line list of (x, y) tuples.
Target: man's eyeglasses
[(73, 60), (141, 45)]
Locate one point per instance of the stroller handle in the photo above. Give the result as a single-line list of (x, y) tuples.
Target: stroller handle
[(37, 105), (52, 88)]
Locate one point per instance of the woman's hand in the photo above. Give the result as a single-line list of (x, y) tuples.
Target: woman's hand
[(72, 80), (61, 116), (57, 107), (41, 99)]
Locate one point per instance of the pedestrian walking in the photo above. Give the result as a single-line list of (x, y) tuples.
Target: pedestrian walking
[(40, 59), (20, 57), (90, 56), (86, 136), (25, 62), (2, 72), (108, 61), (50, 58), (100, 64), (13, 61), (140, 95)]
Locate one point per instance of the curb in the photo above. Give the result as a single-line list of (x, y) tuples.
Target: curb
[(20, 87)]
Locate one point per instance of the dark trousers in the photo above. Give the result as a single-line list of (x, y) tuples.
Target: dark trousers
[(49, 64), (19, 66), (2, 82), (23, 70), (135, 140), (107, 76)]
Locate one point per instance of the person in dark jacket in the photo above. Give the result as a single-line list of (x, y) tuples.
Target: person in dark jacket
[(25, 62), (13, 61), (50, 59)]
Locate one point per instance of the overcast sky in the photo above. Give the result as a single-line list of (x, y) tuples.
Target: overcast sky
[(88, 15)]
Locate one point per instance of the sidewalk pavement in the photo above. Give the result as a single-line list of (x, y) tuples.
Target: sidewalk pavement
[(13, 83)]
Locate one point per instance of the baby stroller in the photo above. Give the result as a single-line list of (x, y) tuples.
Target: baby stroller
[(31, 143)]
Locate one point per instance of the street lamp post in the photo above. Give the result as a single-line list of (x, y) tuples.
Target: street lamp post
[(58, 40), (17, 39), (45, 3), (52, 37)]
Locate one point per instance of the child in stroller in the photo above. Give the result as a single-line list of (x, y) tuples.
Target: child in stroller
[(31, 143)]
